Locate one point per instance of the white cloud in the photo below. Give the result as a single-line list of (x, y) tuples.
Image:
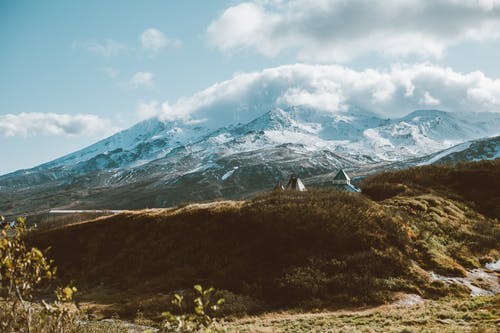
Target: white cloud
[(154, 40), (34, 124), (339, 30), (108, 48), (427, 99), (149, 109), (142, 79), (393, 92)]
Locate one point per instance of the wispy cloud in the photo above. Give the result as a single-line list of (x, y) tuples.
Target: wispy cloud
[(36, 123), (109, 72), (107, 48), (142, 79), (339, 30), (153, 40)]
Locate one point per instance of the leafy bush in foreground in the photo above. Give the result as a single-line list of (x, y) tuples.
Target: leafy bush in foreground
[(23, 271), (199, 319)]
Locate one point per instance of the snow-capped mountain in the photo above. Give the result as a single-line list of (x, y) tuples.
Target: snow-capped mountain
[(167, 162)]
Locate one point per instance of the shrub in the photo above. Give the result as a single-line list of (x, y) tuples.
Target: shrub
[(23, 271), (302, 282), (200, 318)]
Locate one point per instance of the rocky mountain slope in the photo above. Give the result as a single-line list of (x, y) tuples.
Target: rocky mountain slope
[(476, 150)]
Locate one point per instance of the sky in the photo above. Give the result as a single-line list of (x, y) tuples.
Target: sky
[(74, 72)]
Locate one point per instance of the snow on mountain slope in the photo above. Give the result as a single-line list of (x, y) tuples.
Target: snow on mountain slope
[(476, 150), (426, 131), (356, 135), (143, 142), (352, 138), (436, 157), (440, 125), (128, 138)]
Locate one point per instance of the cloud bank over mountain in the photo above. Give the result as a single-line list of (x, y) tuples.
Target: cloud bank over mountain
[(391, 92), (37, 123), (332, 88), (338, 30)]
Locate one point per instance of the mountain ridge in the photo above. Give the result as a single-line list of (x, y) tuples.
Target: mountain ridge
[(171, 159)]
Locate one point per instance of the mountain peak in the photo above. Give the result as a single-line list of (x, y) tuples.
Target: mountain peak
[(275, 119), (430, 114)]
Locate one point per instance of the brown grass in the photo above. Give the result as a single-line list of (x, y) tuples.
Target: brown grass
[(475, 183), (285, 250), (445, 316)]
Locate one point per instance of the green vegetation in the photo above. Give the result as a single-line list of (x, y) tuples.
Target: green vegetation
[(199, 319)]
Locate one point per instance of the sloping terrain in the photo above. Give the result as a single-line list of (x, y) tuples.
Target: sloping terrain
[(476, 150), (476, 184), (485, 149), (444, 316), (282, 250)]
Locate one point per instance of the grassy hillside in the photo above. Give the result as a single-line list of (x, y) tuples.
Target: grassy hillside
[(477, 184), (478, 315), (285, 250)]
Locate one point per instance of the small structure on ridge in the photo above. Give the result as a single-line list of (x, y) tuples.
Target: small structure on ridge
[(279, 187), (342, 182)]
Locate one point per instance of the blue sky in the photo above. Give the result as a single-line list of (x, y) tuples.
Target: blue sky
[(73, 72)]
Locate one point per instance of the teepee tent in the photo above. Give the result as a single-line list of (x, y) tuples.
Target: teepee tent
[(295, 184)]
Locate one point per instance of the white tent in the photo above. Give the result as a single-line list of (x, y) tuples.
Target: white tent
[(295, 184)]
